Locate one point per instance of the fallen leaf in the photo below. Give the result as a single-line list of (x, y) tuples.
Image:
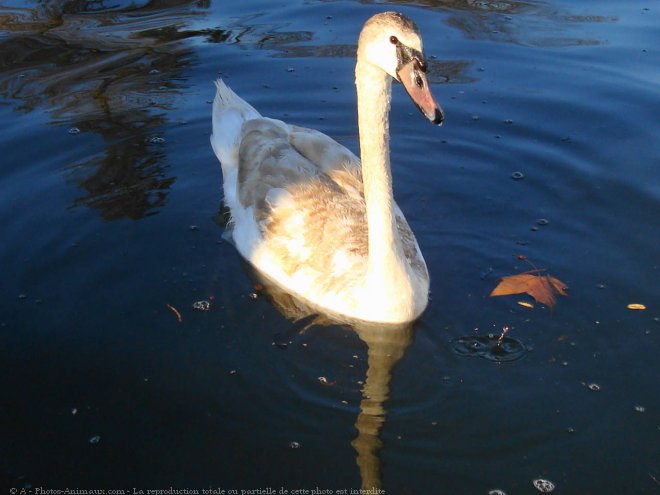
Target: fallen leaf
[(513, 284), (525, 304), (541, 287), (559, 286), (636, 306)]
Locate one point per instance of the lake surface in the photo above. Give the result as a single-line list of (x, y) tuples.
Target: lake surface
[(110, 202)]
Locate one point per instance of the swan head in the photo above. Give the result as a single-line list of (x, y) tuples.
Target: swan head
[(391, 41)]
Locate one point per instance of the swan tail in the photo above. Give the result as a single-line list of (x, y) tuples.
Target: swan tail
[(230, 111)]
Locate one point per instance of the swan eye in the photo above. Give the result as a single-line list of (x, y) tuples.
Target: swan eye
[(394, 40), (418, 81)]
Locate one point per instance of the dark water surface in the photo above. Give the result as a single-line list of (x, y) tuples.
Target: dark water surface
[(109, 200)]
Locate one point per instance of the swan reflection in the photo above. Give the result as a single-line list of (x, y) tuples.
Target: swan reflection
[(386, 345)]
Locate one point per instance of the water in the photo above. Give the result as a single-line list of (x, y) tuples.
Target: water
[(108, 232)]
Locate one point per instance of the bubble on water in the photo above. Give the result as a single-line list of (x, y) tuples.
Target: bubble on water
[(640, 409), (496, 492), (542, 222), (201, 305), (594, 387), (95, 439), (490, 347), (544, 486), (154, 72), (294, 445), (517, 176), (156, 140), (74, 130)]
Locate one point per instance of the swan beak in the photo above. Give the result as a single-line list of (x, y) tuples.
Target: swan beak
[(412, 76)]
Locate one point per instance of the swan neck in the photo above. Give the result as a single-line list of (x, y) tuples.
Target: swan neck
[(374, 87)]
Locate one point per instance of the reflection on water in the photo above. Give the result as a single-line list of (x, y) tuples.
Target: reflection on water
[(126, 181), (506, 21), (108, 72), (386, 345), (115, 70)]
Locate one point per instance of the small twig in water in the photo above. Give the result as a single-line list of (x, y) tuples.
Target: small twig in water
[(179, 318), (505, 329)]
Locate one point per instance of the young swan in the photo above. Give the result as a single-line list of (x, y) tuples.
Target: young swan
[(312, 217)]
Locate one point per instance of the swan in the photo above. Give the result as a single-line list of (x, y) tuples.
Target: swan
[(312, 217)]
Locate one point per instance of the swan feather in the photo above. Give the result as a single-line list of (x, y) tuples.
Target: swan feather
[(300, 199)]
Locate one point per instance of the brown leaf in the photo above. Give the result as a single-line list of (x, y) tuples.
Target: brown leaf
[(513, 284), (541, 287), (559, 286), (541, 290)]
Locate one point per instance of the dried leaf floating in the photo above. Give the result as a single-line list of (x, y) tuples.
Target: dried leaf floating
[(541, 287), (637, 307)]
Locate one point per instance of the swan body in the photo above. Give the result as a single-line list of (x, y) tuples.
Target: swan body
[(310, 215)]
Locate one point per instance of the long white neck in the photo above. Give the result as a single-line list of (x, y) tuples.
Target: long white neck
[(387, 267)]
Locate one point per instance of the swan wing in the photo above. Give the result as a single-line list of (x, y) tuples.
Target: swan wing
[(302, 218), (410, 246), (303, 195), (276, 156)]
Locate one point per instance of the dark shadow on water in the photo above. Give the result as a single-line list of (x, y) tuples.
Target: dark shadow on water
[(114, 72), (530, 22)]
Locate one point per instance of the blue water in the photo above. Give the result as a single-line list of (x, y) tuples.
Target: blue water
[(109, 211)]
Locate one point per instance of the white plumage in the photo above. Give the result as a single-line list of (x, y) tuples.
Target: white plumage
[(312, 217)]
